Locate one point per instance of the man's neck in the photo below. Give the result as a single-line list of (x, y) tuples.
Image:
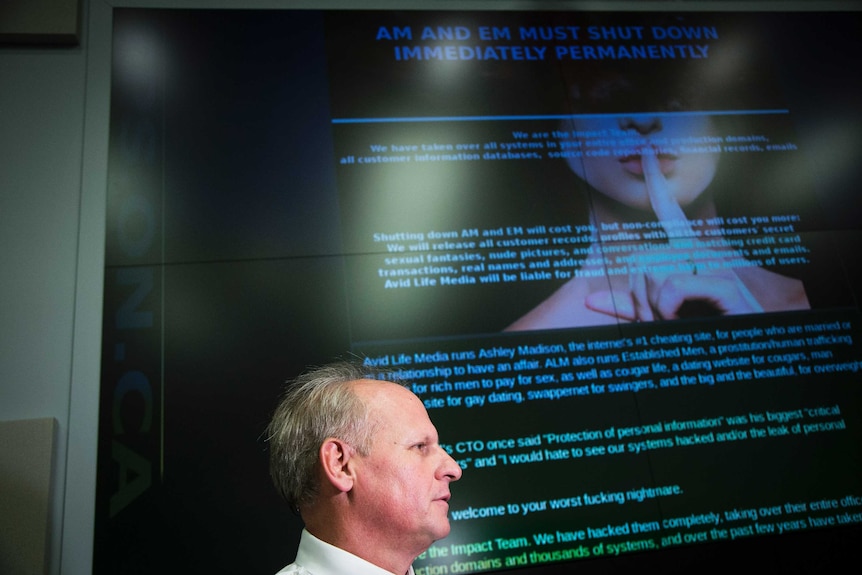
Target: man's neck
[(356, 541)]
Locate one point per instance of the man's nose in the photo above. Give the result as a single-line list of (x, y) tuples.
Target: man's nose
[(450, 468)]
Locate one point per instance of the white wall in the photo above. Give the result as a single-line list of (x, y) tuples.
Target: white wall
[(42, 100)]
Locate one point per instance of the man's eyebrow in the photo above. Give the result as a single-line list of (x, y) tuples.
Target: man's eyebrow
[(426, 438)]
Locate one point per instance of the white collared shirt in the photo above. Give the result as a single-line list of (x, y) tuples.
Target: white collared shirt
[(316, 557)]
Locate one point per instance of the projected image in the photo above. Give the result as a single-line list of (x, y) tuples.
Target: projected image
[(681, 263), (647, 149), (674, 203)]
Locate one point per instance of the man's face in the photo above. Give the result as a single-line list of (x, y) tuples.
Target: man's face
[(402, 486)]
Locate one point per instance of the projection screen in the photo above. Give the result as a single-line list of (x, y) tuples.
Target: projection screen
[(615, 252)]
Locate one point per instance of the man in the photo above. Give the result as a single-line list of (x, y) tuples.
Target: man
[(359, 459)]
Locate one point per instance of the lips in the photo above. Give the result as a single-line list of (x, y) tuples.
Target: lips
[(632, 164)]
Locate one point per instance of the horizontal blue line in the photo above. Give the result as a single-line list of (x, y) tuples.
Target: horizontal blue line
[(549, 117)]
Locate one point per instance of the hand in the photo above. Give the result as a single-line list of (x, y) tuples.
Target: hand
[(674, 296), (671, 285)]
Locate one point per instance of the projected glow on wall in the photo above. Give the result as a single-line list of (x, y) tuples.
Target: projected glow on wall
[(613, 251)]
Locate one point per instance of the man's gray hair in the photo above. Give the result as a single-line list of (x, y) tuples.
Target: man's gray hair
[(320, 403)]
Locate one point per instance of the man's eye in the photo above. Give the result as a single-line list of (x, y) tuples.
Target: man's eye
[(421, 446)]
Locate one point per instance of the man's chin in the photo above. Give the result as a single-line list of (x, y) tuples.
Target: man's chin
[(442, 531)]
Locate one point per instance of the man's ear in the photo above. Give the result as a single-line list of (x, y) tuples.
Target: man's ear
[(335, 458)]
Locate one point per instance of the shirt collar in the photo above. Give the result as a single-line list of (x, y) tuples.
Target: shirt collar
[(320, 557)]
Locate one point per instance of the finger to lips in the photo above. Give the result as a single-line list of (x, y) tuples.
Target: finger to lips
[(665, 206), (668, 211)]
